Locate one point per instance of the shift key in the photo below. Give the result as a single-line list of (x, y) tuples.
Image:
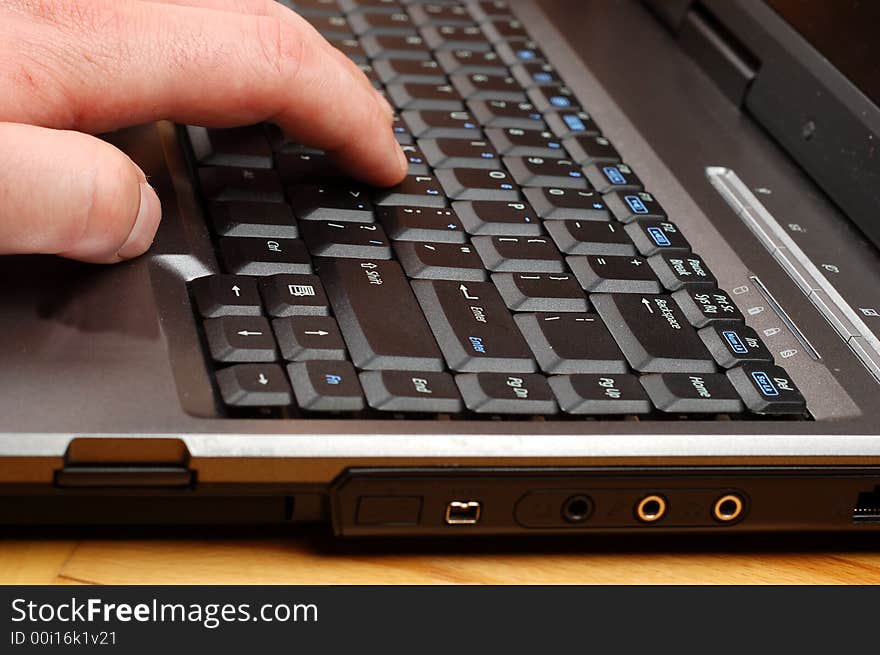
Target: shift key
[(378, 316), (473, 327)]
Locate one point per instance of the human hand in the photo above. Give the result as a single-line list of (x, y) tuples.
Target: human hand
[(70, 68)]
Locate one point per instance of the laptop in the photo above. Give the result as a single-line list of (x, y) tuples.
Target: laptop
[(629, 285)]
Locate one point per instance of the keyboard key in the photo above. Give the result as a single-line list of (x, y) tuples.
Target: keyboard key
[(652, 237), (498, 217), (470, 61), (249, 184), (395, 47), (355, 240), (326, 386), (379, 317), (571, 343), (691, 393), (489, 9), (473, 327), (504, 393), (606, 178), (477, 184), (244, 147), (411, 391), (519, 254), (422, 224), (500, 113), (240, 339), (254, 385), (590, 238), (632, 206), (534, 74), (455, 37), (303, 338), (540, 172), (553, 98), (439, 14), (418, 165), (415, 190), (365, 23), (520, 51), (591, 149), (613, 274), (767, 389), (403, 71), (567, 204), (401, 131), (314, 7), (653, 334), (478, 86), (568, 123), (442, 124), (732, 344), (460, 153), (331, 203), (294, 295), (504, 29), (351, 48), (429, 97), (704, 307), (517, 142), (264, 256), (678, 271), (600, 394), (331, 27), (297, 165), (370, 6), (541, 292), (440, 261), (226, 295), (253, 219)]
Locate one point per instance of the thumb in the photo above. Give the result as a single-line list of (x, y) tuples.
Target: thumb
[(73, 195)]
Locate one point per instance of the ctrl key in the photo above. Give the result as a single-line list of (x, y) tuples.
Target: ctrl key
[(326, 386), (254, 385), (767, 389)]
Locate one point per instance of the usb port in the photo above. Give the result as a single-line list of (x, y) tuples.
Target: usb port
[(461, 512)]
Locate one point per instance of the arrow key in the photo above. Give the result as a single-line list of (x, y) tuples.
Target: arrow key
[(240, 339), (226, 295), (304, 338), (254, 385)]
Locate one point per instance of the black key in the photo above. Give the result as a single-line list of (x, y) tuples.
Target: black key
[(568, 123), (422, 224), (355, 240), (534, 74), (244, 147), (554, 98), (460, 153), (249, 184), (541, 292), (471, 61), (600, 394), (606, 178), (520, 51), (314, 7), (477, 184), (500, 113), (417, 190), (352, 49), (473, 327), (571, 343), (326, 386), (478, 86), (331, 27), (380, 320), (395, 47), (455, 37), (411, 391), (294, 295), (503, 29), (502, 393), (515, 141), (519, 254), (567, 204), (613, 274), (679, 271), (398, 23), (634, 206), (439, 14), (498, 217), (442, 124), (489, 9), (767, 389), (401, 131), (589, 149), (303, 338), (331, 203), (692, 393), (732, 344), (238, 218), (704, 307), (590, 238), (264, 256), (429, 97), (652, 237), (402, 71), (540, 172), (240, 339), (254, 385), (440, 261), (297, 165), (653, 333), (370, 6), (418, 165), (226, 295)]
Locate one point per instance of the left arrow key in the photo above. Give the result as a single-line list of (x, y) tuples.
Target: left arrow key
[(240, 339)]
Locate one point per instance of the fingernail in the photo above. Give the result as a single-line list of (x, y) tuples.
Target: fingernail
[(389, 110), (148, 216)]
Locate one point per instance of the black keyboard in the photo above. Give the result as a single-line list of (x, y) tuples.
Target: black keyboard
[(522, 268)]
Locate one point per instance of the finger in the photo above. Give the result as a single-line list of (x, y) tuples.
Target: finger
[(74, 195), (206, 69)]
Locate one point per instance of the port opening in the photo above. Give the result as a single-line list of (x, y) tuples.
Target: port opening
[(463, 512), (867, 509), (651, 508), (577, 509), (727, 508)]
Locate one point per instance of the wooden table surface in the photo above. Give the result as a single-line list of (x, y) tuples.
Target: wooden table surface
[(311, 556)]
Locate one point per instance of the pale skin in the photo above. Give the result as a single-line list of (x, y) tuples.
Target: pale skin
[(73, 68)]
